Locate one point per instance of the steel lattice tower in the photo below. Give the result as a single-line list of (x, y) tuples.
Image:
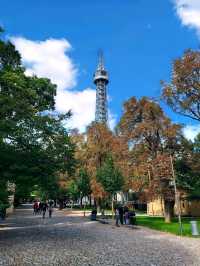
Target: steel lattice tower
[(101, 80)]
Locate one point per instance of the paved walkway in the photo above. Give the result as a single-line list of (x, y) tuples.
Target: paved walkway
[(71, 240)]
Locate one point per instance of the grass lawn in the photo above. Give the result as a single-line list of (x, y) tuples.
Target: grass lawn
[(158, 223)]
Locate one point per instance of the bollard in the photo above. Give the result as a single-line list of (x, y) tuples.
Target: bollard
[(195, 231)]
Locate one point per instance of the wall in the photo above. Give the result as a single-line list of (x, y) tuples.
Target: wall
[(188, 208)]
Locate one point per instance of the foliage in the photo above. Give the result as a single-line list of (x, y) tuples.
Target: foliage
[(187, 168), (182, 94), (152, 137), (98, 191), (34, 145), (110, 177), (72, 190), (144, 122), (3, 195), (99, 143), (83, 183), (92, 150)]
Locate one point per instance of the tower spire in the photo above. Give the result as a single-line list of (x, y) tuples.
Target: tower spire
[(101, 80), (100, 60)]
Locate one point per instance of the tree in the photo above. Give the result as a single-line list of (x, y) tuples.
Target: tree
[(99, 143), (151, 136), (98, 192), (110, 177), (34, 145), (3, 196), (83, 184), (144, 122), (92, 150), (72, 190), (182, 94), (188, 167)]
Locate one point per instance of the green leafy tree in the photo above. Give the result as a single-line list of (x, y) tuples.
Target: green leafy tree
[(188, 168), (83, 184), (34, 144), (110, 177), (3, 196), (73, 191)]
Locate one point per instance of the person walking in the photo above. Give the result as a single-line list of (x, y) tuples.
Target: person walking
[(35, 207), (44, 209), (121, 215), (117, 217), (40, 207), (126, 215), (50, 208)]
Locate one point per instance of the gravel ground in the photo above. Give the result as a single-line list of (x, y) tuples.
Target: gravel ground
[(71, 240)]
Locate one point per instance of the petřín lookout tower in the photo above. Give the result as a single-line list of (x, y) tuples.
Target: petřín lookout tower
[(101, 80)]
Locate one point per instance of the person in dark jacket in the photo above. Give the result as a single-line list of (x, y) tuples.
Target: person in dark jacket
[(126, 215), (50, 208), (35, 207), (117, 217), (121, 214), (94, 215), (40, 208), (44, 209)]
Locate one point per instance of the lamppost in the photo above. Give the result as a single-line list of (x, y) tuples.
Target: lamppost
[(177, 198)]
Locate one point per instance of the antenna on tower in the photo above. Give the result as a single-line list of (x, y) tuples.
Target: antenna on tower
[(101, 80), (100, 60)]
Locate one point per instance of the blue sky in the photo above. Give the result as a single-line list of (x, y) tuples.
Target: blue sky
[(140, 38)]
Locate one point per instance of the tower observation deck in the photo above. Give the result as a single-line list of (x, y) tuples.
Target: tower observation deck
[(101, 80)]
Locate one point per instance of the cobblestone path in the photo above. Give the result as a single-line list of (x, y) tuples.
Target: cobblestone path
[(69, 240)]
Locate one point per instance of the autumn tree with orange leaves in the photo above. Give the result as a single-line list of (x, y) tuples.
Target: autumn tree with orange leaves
[(152, 137), (101, 143), (92, 150), (182, 94)]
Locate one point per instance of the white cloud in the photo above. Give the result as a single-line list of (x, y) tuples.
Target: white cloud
[(189, 13), (50, 59), (112, 120), (191, 131), (82, 105)]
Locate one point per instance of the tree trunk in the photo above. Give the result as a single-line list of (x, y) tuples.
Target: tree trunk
[(90, 199), (95, 203), (169, 210), (98, 205)]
